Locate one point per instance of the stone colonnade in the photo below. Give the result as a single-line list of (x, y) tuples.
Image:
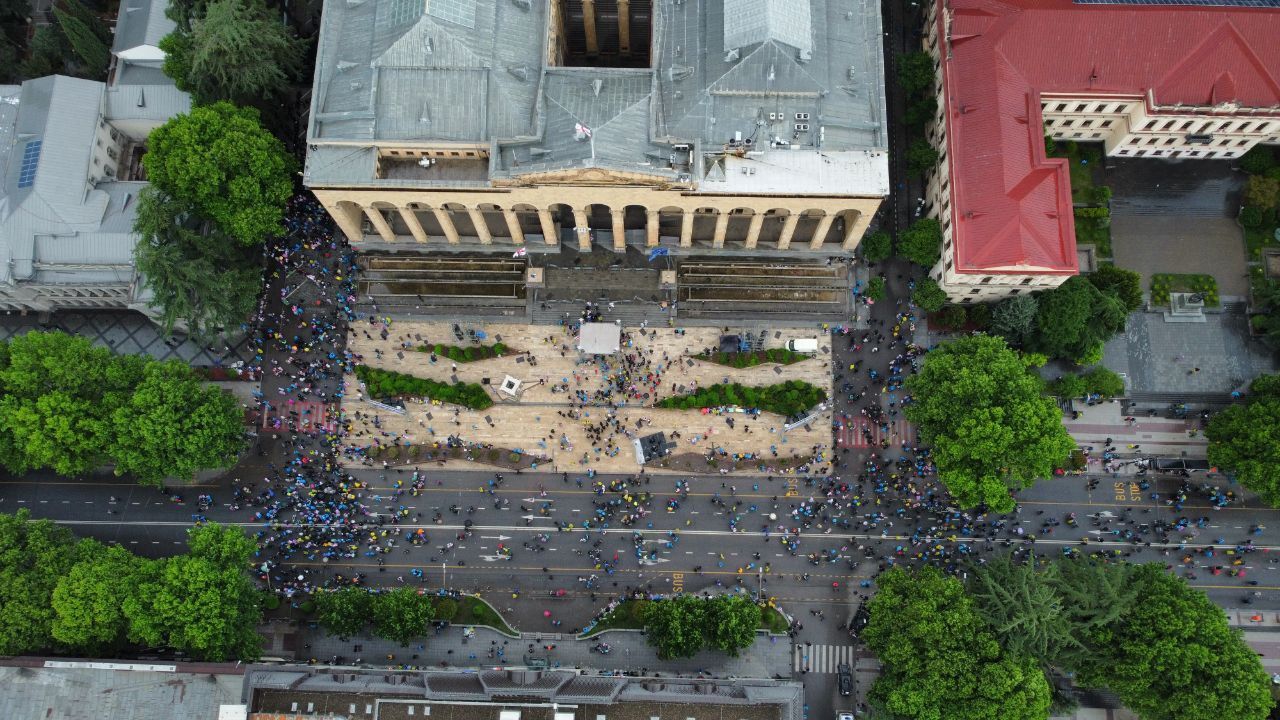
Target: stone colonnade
[(507, 223)]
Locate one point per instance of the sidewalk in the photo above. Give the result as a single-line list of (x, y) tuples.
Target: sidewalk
[(1154, 436), (769, 656)]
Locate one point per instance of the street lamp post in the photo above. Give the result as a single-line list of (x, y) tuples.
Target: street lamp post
[(444, 575), (759, 583)]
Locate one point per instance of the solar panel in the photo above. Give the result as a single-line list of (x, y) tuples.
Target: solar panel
[(1193, 3), (30, 159)]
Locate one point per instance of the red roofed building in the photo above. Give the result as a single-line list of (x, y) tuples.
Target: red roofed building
[(1146, 80)]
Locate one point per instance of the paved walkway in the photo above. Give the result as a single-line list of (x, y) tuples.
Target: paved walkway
[(127, 333), (1160, 357), (543, 420), (1153, 436), (1150, 244), (769, 656)]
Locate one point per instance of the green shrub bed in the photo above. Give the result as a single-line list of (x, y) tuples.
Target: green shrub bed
[(471, 353), (1162, 284), (391, 384), (781, 356), (789, 398)]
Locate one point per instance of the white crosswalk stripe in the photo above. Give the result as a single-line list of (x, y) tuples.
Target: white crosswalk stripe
[(823, 658)]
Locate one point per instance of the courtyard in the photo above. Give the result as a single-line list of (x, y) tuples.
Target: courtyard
[(562, 410)]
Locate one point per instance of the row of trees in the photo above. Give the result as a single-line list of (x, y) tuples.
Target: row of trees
[(400, 615), (793, 397), (683, 626), (60, 593), (68, 406), (1073, 320), (219, 181), (983, 410), (1244, 439), (952, 652)]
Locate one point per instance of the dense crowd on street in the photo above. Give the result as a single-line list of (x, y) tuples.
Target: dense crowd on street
[(312, 509)]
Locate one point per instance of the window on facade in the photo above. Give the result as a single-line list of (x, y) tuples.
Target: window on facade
[(1150, 124), (1241, 143), (1076, 135), (1210, 154), (1170, 141), (1244, 126), (1123, 152), (1026, 281), (1082, 107), (974, 291), (1014, 291), (1169, 124), (965, 301), (1140, 153), (986, 280), (1068, 123), (1193, 153), (1097, 135), (1087, 123), (1186, 124), (948, 265), (1105, 124)]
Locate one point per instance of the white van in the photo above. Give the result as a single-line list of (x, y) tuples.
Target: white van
[(803, 345)]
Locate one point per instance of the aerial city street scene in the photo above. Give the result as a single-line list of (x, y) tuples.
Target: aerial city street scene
[(640, 359)]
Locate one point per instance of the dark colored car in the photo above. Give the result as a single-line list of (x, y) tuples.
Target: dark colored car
[(846, 679)]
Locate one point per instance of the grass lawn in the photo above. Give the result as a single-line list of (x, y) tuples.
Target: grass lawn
[(1093, 231), (474, 611), (1164, 283), (1081, 173)]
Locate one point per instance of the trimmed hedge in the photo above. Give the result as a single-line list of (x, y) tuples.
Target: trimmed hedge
[(782, 356), (789, 398), (388, 383), (471, 353)]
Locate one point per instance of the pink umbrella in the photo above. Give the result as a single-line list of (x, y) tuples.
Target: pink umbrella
[(546, 613)]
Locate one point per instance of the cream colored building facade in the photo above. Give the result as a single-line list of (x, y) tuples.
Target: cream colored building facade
[(1132, 122), (598, 125)]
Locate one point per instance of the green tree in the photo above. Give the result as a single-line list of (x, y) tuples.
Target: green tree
[(47, 54), (1126, 285), (877, 246), (940, 660), (1014, 318), (921, 157), (875, 288), (991, 429), (1025, 610), (1104, 382), (57, 394), (1068, 386), (238, 51), (88, 45), (928, 295), (922, 242), (196, 273), (1244, 439), (173, 425), (675, 627), (185, 12), (88, 601), (1262, 191), (915, 72), (344, 612), (1172, 655), (223, 165), (732, 622), (203, 602), (919, 113), (34, 556), (1259, 160), (1074, 318), (401, 615)]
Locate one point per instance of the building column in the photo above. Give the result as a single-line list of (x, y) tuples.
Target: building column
[(548, 227), (619, 229), (513, 226), (753, 230), (415, 227), (651, 228), (380, 224), (855, 228), (589, 26), (624, 26), (788, 229), (446, 225), (482, 228), (820, 233), (722, 227), (582, 229), (347, 216), (686, 229)]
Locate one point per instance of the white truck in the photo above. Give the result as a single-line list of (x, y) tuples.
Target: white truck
[(803, 345)]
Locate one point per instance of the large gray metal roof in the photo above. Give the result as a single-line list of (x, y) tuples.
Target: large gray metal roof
[(768, 76), (140, 22)]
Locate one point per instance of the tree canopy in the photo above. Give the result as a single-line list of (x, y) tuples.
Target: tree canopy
[(1244, 440), (235, 50), (197, 274), (1074, 319), (34, 556), (928, 295), (922, 242), (915, 72), (69, 406), (732, 623), (877, 246), (401, 615), (223, 165), (682, 626), (991, 428), (940, 659), (344, 612), (1014, 318)]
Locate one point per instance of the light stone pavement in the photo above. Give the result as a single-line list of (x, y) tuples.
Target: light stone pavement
[(540, 422)]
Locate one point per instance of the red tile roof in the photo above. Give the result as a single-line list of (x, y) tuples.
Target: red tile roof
[(1011, 206)]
